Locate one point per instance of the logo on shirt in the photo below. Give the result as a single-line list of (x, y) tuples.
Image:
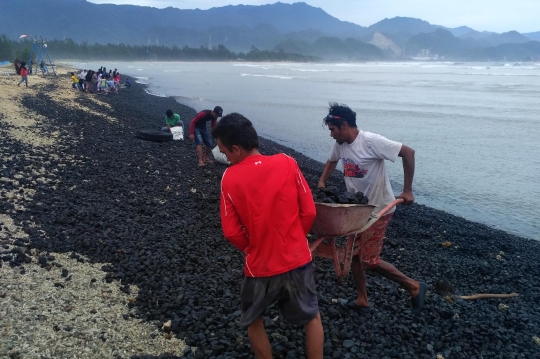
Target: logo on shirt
[(351, 169)]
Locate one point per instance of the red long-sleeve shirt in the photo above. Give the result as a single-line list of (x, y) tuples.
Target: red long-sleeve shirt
[(201, 119), (266, 211)]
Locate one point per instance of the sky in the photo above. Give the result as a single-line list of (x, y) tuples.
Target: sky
[(482, 15)]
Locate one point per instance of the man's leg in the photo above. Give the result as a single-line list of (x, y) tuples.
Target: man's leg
[(359, 277), (206, 154), (387, 270), (315, 338), (208, 143), (259, 340), (199, 155)]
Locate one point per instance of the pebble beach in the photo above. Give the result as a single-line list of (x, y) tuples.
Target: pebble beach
[(111, 247)]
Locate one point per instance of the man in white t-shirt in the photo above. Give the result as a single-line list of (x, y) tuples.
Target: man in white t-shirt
[(363, 154)]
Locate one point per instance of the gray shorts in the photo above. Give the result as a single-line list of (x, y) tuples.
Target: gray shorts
[(294, 292)]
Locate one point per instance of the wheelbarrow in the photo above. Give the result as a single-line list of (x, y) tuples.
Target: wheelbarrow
[(339, 220)]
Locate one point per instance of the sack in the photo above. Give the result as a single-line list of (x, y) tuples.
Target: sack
[(220, 157), (178, 133)]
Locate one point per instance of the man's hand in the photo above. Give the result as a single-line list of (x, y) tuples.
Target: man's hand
[(192, 137), (321, 185), (408, 197)]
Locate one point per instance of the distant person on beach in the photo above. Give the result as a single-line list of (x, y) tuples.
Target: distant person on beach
[(171, 120), (88, 81), (94, 82), (199, 133), (82, 79), (24, 74), (128, 83), (18, 66), (75, 81), (363, 155), (266, 211)]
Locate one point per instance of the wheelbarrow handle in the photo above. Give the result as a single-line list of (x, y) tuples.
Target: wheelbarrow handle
[(375, 217), (391, 205)]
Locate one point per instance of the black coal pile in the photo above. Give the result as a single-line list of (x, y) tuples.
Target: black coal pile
[(332, 194), (148, 211)]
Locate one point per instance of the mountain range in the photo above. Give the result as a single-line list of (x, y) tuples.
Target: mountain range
[(298, 28)]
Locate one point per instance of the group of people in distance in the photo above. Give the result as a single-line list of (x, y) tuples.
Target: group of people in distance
[(267, 210), (100, 81)]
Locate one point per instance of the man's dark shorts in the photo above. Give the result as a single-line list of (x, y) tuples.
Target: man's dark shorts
[(294, 292), (203, 136)]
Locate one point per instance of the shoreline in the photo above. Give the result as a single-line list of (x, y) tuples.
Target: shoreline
[(151, 217)]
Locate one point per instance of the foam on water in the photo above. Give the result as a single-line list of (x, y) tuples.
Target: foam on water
[(154, 94), (270, 76)]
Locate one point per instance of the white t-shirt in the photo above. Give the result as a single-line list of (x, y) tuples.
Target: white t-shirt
[(364, 168)]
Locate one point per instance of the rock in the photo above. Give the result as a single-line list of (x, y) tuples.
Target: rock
[(166, 327)]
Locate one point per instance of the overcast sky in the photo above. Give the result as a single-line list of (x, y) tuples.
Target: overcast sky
[(489, 15)]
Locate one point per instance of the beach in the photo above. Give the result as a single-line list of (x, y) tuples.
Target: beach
[(114, 244)]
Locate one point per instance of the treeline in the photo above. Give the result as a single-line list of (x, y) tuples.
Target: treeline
[(69, 49)]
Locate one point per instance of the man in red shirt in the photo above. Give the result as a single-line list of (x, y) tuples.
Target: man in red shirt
[(198, 132), (266, 211)]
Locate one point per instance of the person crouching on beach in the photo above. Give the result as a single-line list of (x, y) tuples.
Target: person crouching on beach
[(24, 74), (363, 155), (266, 211), (199, 133), (171, 120)]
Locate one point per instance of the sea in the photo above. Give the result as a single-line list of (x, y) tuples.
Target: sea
[(475, 127)]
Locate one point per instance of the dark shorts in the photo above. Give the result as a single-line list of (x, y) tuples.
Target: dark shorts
[(294, 292), (203, 136)]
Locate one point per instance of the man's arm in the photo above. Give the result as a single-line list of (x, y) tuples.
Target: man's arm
[(407, 156), (232, 228), (214, 123), (329, 167), (305, 202), (194, 121)]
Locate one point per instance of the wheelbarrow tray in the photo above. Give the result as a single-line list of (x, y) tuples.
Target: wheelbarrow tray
[(335, 220)]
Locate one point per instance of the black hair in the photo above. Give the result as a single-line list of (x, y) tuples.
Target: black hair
[(236, 130), (343, 112), (169, 113)]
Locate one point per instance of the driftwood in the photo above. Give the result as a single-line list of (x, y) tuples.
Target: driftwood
[(480, 296)]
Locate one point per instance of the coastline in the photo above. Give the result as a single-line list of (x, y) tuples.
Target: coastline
[(151, 217)]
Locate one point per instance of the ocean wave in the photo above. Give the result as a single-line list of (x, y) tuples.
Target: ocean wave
[(154, 94), (264, 67), (270, 76), (309, 70), (183, 99), (142, 82), (495, 74), (174, 71), (141, 78)]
